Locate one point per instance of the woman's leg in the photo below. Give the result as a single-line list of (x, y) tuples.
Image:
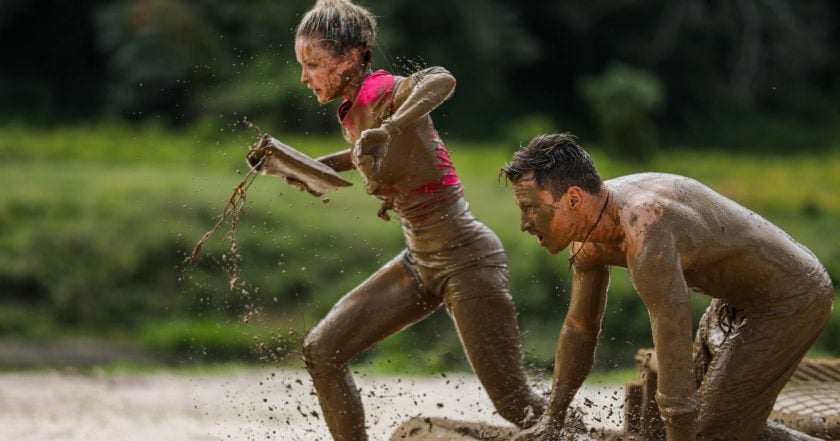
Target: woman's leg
[(387, 302), (481, 307)]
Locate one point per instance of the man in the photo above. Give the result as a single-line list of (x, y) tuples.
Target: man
[(771, 296)]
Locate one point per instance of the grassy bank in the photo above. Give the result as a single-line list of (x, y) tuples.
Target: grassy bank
[(95, 223)]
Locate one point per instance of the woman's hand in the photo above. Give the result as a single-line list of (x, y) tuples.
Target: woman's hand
[(370, 149), (256, 156), (545, 430)]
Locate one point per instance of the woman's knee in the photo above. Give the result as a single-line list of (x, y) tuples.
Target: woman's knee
[(319, 353)]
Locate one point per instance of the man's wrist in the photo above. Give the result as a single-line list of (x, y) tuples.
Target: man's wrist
[(554, 420)]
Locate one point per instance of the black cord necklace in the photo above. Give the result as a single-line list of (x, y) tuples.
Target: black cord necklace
[(583, 242)]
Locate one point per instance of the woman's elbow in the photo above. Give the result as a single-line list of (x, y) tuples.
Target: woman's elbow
[(449, 84), (444, 82)]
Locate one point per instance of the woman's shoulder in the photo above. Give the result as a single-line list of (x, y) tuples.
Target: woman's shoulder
[(375, 86), (431, 70)]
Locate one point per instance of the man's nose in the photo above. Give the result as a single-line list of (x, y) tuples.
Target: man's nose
[(524, 224), (304, 78)]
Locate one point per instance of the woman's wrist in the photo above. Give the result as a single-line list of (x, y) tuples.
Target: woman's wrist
[(390, 127)]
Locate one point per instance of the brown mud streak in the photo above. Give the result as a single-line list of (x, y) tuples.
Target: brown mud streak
[(233, 209), (440, 429)]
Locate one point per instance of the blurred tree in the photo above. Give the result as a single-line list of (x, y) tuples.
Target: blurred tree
[(623, 100), (720, 63), (729, 69), (205, 59), (482, 42), (155, 51), (50, 68)]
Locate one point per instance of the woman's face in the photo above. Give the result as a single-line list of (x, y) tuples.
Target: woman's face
[(327, 75)]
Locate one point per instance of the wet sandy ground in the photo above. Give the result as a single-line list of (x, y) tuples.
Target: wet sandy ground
[(254, 404)]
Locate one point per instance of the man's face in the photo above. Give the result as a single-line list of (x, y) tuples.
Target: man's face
[(327, 75), (543, 216)]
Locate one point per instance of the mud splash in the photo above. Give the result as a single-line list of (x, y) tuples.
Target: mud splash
[(233, 210)]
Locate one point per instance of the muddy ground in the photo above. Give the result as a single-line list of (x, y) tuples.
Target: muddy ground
[(245, 404)]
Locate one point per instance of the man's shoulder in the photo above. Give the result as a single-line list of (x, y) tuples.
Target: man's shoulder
[(655, 191)]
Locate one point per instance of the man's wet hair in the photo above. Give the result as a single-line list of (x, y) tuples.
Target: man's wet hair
[(556, 162)]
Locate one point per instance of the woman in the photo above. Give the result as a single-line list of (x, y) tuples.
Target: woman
[(450, 258)]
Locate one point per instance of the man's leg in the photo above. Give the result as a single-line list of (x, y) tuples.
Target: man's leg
[(384, 304), (481, 307), (748, 357)]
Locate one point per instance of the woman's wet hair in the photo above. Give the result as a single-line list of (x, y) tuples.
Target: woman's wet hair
[(556, 162), (341, 26)]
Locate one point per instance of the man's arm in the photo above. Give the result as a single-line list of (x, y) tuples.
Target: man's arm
[(575, 352), (656, 272)]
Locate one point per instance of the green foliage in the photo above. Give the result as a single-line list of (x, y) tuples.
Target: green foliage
[(623, 99), (154, 46), (215, 340), (95, 223), (735, 78), (520, 131)]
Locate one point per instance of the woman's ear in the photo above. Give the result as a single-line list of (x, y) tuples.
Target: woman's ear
[(355, 56)]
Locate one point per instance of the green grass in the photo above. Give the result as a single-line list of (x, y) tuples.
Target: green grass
[(95, 223)]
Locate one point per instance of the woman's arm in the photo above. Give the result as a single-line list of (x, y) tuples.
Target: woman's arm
[(415, 97), (418, 95), (340, 161)]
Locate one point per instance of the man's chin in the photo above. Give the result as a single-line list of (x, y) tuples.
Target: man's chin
[(553, 248), (549, 249)]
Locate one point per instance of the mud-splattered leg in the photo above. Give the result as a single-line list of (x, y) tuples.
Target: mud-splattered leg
[(387, 302), (753, 354), (481, 307)]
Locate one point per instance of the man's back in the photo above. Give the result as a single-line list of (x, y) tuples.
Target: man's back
[(725, 250)]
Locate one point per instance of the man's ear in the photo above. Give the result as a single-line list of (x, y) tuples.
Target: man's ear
[(575, 195)]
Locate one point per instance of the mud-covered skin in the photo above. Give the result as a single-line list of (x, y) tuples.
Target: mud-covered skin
[(451, 259), (328, 76), (674, 234)]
